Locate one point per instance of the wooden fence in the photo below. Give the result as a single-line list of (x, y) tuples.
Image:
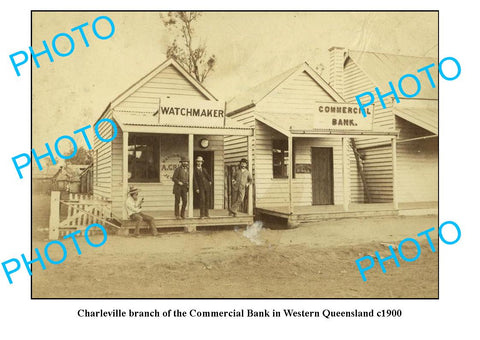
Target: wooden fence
[(79, 211)]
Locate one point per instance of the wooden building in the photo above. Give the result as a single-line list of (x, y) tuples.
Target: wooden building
[(86, 180), (304, 162), (57, 178), (414, 119), (43, 180), (163, 116)]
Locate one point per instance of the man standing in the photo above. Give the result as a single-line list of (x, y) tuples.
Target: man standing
[(201, 184), (134, 211), (180, 188), (241, 181)]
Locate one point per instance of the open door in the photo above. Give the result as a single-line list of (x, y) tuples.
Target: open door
[(208, 164)]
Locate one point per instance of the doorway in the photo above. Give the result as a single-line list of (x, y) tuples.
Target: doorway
[(322, 176), (208, 164)]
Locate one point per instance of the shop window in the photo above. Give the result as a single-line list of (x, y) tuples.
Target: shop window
[(280, 158), (143, 158)]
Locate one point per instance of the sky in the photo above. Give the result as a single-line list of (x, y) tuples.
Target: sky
[(250, 47)]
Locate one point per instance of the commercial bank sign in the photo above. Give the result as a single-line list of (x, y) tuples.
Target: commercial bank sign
[(343, 116)]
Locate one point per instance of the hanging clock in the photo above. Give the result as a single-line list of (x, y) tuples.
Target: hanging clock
[(204, 143)]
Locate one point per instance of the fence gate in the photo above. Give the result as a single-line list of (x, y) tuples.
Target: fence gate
[(77, 213)]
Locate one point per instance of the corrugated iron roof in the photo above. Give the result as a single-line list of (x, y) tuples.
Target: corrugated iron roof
[(305, 122), (59, 172), (147, 118), (47, 172), (168, 62), (423, 113), (254, 94), (383, 68)]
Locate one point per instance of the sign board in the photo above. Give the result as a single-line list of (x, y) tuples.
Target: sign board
[(168, 164), (342, 116), (187, 112), (303, 168)]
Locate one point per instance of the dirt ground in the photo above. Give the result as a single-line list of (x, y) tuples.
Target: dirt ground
[(313, 261)]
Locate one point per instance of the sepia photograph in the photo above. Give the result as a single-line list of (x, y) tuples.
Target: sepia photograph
[(242, 154)]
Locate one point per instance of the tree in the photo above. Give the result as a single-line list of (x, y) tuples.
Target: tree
[(194, 59), (82, 156)]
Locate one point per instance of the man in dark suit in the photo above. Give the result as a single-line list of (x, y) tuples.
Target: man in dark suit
[(180, 188), (201, 184)]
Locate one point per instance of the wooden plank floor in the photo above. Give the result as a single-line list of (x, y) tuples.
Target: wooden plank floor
[(316, 212), (218, 217), (169, 214), (417, 205), (418, 208)]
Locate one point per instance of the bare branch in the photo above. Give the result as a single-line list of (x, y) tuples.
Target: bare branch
[(191, 57)]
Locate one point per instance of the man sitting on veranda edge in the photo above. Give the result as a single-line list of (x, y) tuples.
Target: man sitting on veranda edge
[(134, 211)]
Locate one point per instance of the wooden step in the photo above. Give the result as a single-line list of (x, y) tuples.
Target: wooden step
[(346, 214), (190, 224)]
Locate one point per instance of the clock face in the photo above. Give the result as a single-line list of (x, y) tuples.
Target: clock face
[(204, 143)]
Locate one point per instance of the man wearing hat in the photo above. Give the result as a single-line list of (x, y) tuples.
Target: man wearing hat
[(240, 182), (134, 211), (180, 188), (201, 184)]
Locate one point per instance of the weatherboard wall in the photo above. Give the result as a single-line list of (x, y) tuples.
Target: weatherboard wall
[(378, 160), (168, 82), (108, 176), (236, 146), (298, 95), (417, 164), (102, 160), (273, 192), (158, 195)]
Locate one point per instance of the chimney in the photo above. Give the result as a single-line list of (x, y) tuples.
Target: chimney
[(337, 59)]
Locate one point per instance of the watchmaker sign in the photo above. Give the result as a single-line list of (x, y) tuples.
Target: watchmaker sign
[(343, 116), (183, 112)]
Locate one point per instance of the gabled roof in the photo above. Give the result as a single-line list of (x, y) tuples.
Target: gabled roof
[(423, 113), (153, 73), (70, 172), (128, 119), (48, 172), (256, 94), (145, 79), (298, 125), (382, 68), (59, 172)]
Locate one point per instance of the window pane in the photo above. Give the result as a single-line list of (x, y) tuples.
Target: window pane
[(279, 158), (143, 158)]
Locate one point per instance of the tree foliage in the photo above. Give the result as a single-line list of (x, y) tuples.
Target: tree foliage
[(82, 156), (183, 49)]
